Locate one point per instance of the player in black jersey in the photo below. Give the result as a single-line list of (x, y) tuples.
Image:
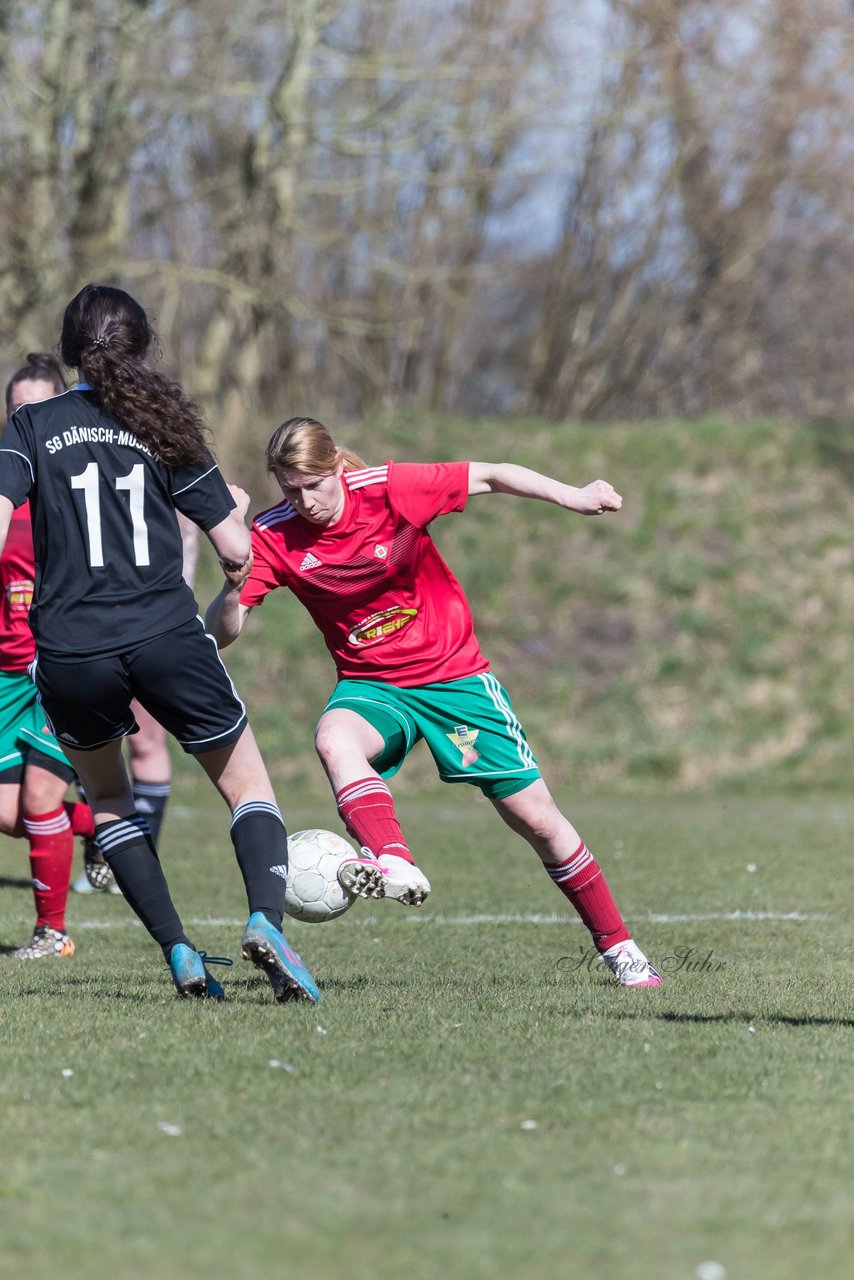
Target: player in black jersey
[(105, 467)]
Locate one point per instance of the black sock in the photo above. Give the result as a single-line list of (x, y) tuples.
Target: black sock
[(261, 845), (130, 852), (150, 799)]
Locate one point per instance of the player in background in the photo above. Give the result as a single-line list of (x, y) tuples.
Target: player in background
[(149, 759), (351, 543), (105, 467), (34, 772)]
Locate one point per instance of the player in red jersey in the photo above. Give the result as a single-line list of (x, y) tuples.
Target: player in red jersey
[(352, 543), (34, 772)]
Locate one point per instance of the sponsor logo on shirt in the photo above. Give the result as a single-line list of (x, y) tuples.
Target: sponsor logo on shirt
[(381, 626), (465, 738), (380, 551), (309, 562), (20, 594)]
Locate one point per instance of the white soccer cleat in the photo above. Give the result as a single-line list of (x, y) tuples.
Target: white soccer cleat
[(630, 966), (46, 942), (362, 876), (403, 880)]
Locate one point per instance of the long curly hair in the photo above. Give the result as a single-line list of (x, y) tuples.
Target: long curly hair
[(106, 335)]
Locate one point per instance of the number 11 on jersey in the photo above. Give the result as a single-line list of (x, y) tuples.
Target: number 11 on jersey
[(89, 480)]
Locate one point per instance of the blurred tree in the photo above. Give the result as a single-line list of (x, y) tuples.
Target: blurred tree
[(582, 208), (73, 119)]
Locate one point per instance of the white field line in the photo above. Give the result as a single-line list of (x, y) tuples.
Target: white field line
[(749, 917)]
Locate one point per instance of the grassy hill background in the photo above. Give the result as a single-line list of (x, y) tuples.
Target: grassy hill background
[(703, 636)]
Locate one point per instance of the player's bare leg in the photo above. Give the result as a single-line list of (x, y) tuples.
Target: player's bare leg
[(533, 814), (150, 768), (346, 744), (11, 823), (151, 773)]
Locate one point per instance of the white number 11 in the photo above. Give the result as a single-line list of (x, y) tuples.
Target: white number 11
[(89, 481)]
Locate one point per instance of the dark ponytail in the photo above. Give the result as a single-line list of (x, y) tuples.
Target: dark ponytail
[(107, 336)]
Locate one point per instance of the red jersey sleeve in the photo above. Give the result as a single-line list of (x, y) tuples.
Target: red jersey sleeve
[(264, 575), (422, 491)]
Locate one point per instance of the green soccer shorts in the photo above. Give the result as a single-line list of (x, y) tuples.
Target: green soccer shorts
[(469, 726), (23, 724)]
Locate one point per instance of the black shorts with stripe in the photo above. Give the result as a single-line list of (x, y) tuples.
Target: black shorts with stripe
[(178, 677)]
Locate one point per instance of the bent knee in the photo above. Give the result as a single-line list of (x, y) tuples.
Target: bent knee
[(331, 738), (537, 818), (324, 742), (547, 827)]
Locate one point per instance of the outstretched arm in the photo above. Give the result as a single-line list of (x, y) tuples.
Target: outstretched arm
[(592, 499)]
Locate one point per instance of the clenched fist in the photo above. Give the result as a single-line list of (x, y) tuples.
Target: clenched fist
[(596, 498)]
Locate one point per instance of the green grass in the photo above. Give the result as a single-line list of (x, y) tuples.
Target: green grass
[(470, 1099)]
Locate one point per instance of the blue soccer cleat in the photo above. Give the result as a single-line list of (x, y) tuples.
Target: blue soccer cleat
[(190, 976), (266, 947)]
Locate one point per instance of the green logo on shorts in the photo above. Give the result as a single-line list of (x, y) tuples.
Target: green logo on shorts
[(465, 738)]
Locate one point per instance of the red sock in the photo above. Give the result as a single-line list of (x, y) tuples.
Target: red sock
[(51, 850), (580, 879), (80, 817), (367, 809)]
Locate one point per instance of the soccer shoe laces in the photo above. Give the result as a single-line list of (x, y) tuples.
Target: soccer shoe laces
[(206, 959)]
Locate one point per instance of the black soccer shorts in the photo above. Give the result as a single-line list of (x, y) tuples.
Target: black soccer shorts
[(178, 676)]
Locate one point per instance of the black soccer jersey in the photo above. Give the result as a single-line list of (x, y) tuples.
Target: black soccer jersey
[(107, 545)]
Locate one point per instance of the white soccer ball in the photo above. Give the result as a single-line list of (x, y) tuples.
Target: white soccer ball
[(314, 892)]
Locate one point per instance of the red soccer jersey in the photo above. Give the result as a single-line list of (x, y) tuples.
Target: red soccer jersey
[(387, 604), (17, 571)]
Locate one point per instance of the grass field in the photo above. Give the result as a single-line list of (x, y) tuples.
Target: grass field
[(471, 1099)]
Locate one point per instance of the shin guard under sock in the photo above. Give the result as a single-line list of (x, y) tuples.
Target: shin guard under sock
[(261, 847), (128, 848), (367, 810), (580, 879), (51, 851)]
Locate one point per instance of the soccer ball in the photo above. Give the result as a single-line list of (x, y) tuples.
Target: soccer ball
[(314, 892)]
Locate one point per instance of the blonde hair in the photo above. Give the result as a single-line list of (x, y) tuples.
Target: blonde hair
[(307, 446)]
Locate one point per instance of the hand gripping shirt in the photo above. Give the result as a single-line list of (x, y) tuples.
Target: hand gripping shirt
[(108, 550), (387, 604), (17, 574)]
